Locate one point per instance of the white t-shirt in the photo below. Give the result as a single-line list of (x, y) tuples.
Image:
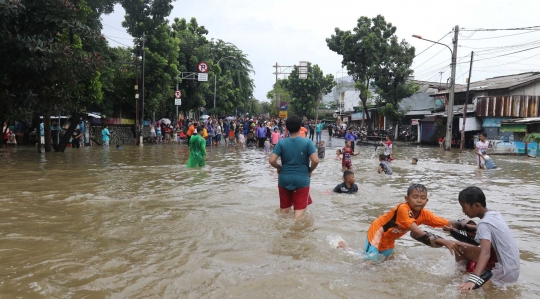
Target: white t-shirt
[(493, 228), (218, 129), (482, 149), (387, 148)]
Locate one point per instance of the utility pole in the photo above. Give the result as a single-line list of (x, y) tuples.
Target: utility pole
[(276, 91), (176, 105), (137, 122), (465, 106), (450, 111), (142, 97)]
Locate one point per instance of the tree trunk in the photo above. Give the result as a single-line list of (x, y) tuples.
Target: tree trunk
[(47, 131), (36, 124), (72, 126)]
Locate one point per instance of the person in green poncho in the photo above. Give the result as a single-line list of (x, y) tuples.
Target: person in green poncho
[(197, 150)]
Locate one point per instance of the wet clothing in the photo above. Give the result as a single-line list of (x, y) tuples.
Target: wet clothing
[(347, 157), (385, 167), (342, 188), (482, 149), (321, 151), (299, 198), (197, 151), (294, 153), (387, 228), (493, 228)]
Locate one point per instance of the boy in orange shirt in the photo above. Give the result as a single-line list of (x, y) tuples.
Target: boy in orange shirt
[(404, 217)]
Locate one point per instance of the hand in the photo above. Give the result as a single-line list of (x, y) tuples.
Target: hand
[(454, 247), (466, 286), (310, 173), (447, 228), (278, 169)]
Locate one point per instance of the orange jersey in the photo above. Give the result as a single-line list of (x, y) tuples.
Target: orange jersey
[(383, 231), (191, 130)]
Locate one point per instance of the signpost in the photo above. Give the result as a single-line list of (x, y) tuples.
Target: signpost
[(202, 77), (283, 114), (177, 99), (283, 106), (202, 67)]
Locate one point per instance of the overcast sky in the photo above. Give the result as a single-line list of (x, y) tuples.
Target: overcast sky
[(288, 31)]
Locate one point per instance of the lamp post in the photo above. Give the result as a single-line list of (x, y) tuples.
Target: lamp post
[(215, 79), (450, 107)]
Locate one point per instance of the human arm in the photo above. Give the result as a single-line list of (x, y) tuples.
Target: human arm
[(337, 188), (450, 244), (483, 258), (273, 161), (314, 162)]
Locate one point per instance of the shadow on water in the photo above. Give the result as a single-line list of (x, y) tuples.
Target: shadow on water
[(136, 223)]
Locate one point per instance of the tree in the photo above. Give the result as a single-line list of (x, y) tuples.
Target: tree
[(161, 51), (365, 51), (391, 80), (306, 93), (49, 37), (283, 96)]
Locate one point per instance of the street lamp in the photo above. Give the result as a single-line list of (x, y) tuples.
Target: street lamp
[(450, 107), (215, 79)]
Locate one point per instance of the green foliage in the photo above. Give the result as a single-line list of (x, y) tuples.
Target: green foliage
[(372, 54), (306, 93), (283, 96), (43, 68), (532, 137)]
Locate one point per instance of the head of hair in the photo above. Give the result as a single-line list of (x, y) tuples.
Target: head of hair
[(339, 151), (483, 134), (414, 159), (472, 195), (293, 123), (106, 126), (382, 157), (347, 173), (417, 187), (200, 128)]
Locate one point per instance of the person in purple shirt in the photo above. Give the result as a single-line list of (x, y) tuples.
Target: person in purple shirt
[(352, 137), (261, 134)]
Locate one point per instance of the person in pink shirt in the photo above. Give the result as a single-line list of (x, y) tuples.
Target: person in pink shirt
[(275, 137)]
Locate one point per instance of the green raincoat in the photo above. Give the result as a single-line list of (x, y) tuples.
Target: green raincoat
[(197, 151)]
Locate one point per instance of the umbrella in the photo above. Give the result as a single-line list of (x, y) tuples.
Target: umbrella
[(165, 121), (205, 117), (230, 117)]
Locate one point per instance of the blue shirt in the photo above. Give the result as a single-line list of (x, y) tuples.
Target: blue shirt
[(294, 153), (226, 128), (350, 136), (261, 132), (41, 130), (105, 134), (318, 128)]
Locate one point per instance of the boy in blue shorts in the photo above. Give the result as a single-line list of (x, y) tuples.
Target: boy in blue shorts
[(405, 217)]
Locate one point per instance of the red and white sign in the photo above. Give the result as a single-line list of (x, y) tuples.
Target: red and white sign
[(178, 94), (202, 67)]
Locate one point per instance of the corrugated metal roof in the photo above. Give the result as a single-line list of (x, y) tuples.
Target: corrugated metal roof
[(508, 106), (503, 82)]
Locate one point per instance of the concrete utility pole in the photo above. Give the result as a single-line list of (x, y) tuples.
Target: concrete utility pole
[(276, 91), (142, 97), (450, 111), (465, 106)]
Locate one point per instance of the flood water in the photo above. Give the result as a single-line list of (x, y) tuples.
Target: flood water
[(136, 223)]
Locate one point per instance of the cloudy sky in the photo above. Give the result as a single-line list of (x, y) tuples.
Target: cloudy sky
[(288, 31)]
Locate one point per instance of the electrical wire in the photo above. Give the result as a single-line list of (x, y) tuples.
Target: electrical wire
[(113, 27), (429, 59), (484, 38), (508, 54), (120, 42), (519, 28), (432, 45)]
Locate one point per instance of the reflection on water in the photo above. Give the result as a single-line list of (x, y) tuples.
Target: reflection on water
[(136, 223)]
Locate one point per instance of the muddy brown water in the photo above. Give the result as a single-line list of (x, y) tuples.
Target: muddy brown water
[(136, 223)]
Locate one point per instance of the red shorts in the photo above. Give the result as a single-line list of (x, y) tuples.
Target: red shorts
[(299, 198), (471, 265), (347, 165)]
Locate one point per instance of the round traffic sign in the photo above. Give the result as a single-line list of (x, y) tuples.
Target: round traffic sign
[(178, 94), (202, 67), (335, 115)]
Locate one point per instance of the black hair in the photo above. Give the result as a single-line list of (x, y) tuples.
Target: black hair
[(382, 157), (472, 195), (200, 129), (483, 134), (415, 159), (417, 187), (347, 173), (293, 123)]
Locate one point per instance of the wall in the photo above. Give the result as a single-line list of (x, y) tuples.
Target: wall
[(532, 89), (119, 134)]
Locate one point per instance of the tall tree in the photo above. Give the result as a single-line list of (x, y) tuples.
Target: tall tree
[(49, 37), (161, 51), (306, 93), (391, 80), (363, 50)]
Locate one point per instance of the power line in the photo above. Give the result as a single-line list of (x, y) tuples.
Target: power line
[(114, 27), (429, 59), (519, 28), (120, 43), (484, 38), (118, 37), (432, 45), (507, 54), (513, 62)]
